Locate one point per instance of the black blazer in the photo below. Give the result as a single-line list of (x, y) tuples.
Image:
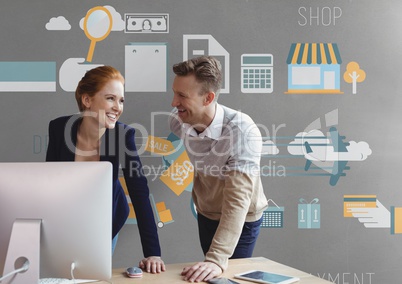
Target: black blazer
[(117, 147)]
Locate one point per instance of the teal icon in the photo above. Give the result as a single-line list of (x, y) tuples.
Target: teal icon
[(309, 214), (272, 216)]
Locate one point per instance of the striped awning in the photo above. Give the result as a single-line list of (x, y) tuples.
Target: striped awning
[(314, 53)]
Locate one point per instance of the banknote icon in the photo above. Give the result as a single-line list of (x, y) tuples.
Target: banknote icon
[(146, 23)]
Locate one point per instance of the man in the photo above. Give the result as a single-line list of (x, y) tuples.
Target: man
[(224, 147)]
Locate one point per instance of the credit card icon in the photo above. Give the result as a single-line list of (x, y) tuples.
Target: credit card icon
[(358, 201)]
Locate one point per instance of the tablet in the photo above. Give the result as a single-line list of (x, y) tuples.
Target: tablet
[(266, 277)]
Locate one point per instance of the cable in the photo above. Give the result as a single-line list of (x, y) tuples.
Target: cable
[(24, 268), (72, 274), (72, 271)]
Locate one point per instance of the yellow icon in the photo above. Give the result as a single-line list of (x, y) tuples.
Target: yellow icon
[(358, 201), (165, 216), (396, 225), (354, 75), (159, 146), (97, 25), (131, 215), (179, 175)]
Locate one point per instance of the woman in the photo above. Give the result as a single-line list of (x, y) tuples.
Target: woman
[(96, 135)]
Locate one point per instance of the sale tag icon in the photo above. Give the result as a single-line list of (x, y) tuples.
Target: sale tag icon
[(159, 145)]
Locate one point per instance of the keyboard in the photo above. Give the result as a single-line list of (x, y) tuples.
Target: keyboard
[(62, 281), (54, 281)]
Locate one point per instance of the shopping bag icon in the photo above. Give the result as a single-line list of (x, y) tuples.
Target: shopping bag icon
[(272, 217)]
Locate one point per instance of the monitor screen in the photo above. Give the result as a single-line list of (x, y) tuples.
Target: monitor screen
[(73, 203)]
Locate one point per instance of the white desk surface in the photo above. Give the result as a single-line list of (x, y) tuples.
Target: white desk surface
[(172, 273)]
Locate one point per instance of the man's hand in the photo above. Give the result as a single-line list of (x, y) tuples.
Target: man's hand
[(201, 271), (152, 264)]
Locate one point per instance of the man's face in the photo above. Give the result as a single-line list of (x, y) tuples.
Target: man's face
[(188, 101)]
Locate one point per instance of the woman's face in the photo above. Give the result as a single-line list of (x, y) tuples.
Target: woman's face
[(107, 105)]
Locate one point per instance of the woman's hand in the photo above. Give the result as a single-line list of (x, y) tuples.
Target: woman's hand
[(152, 264)]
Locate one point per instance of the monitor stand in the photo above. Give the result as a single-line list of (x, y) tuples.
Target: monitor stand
[(24, 245)]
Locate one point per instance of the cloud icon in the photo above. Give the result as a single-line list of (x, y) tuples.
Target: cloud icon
[(118, 23), (58, 24), (313, 137), (359, 151)]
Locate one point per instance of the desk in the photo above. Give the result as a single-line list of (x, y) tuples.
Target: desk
[(172, 273)]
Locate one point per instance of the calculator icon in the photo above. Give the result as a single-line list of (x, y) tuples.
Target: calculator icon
[(257, 73), (272, 217)]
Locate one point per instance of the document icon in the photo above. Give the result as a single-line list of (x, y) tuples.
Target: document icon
[(198, 45)]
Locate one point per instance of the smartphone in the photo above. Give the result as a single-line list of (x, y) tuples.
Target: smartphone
[(222, 281)]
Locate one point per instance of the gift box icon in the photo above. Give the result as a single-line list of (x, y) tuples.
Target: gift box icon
[(309, 214)]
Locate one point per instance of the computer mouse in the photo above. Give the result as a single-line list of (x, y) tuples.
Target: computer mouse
[(134, 272)]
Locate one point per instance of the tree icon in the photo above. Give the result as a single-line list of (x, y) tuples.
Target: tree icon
[(354, 74)]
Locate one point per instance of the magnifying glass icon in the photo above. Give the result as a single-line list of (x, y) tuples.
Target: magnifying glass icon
[(98, 23)]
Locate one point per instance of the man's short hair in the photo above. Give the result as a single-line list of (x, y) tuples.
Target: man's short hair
[(207, 71)]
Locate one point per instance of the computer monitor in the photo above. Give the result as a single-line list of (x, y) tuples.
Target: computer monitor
[(72, 203)]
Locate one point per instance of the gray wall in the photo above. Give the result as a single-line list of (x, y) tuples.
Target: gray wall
[(367, 31)]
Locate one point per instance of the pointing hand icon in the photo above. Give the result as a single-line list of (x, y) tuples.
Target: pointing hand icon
[(378, 217), (71, 72)]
